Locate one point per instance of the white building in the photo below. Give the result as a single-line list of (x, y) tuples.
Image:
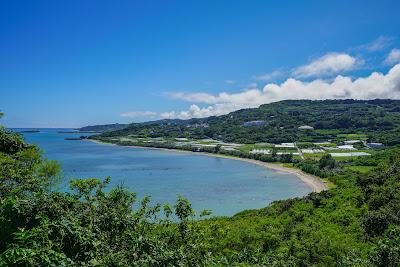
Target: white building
[(350, 154), (306, 127), (285, 145), (312, 151), (346, 147), (260, 151), (181, 139), (351, 142), (287, 153)]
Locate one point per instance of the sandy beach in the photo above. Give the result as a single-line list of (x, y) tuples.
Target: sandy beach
[(315, 183)]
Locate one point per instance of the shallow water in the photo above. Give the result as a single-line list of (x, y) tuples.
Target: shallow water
[(224, 186)]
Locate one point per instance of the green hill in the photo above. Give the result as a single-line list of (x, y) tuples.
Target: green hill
[(378, 119)]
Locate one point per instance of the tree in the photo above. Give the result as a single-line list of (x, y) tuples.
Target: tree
[(327, 162), (286, 158), (217, 148), (274, 152), (387, 252)]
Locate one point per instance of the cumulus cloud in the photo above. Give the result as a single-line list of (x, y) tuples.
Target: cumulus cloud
[(193, 112), (269, 76), (329, 64), (137, 114), (393, 57), (376, 85)]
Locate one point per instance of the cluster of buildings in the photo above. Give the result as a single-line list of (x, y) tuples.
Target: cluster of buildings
[(285, 145), (350, 154), (268, 152), (260, 151), (343, 149), (206, 143)]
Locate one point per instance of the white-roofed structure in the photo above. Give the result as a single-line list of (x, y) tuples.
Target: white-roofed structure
[(312, 151), (351, 142), (306, 127), (350, 154), (285, 145), (346, 147), (260, 151)]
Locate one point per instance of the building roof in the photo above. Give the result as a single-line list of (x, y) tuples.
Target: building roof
[(306, 127)]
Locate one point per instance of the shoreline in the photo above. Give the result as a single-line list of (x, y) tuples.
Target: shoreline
[(315, 183)]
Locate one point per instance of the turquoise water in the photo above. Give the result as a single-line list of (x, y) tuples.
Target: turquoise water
[(224, 186)]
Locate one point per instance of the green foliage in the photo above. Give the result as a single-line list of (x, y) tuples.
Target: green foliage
[(387, 252), (361, 169), (327, 162), (11, 143), (217, 149)]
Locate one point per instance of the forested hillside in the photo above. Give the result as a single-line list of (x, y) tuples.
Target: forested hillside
[(378, 119), (103, 128)]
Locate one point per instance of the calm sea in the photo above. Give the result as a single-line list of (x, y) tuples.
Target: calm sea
[(224, 186)]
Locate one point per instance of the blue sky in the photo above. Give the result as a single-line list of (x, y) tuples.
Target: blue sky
[(75, 63)]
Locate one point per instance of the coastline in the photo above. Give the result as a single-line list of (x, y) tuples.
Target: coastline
[(315, 183)]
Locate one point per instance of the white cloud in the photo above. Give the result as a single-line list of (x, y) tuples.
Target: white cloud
[(194, 97), (269, 76), (329, 64), (251, 86), (230, 82), (393, 57), (376, 85), (136, 114), (168, 115), (377, 45), (193, 112)]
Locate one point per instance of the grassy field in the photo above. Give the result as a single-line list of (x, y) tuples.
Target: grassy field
[(288, 165), (361, 169), (315, 156), (354, 136)]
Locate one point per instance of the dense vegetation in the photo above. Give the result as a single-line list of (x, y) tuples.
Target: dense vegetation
[(356, 223), (378, 119)]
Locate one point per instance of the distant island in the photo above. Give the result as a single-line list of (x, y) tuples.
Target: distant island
[(29, 131)]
